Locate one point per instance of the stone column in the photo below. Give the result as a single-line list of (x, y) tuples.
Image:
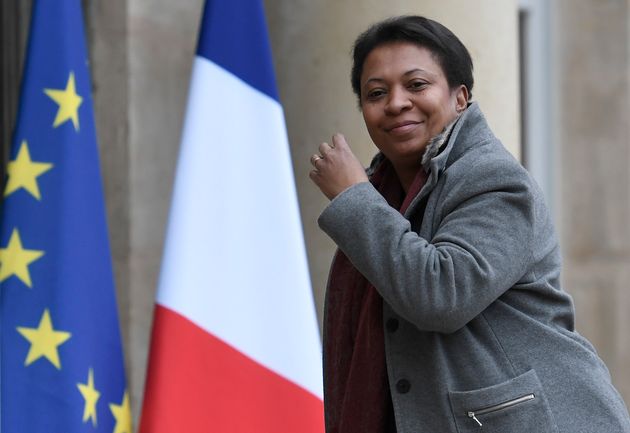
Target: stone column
[(162, 42), (593, 76), (106, 29), (142, 53), (311, 43)]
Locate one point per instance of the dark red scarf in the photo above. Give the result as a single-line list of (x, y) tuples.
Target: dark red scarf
[(356, 385)]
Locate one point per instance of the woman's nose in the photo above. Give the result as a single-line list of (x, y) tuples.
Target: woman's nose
[(398, 101)]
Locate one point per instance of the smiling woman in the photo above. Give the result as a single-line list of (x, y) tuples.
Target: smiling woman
[(444, 311)]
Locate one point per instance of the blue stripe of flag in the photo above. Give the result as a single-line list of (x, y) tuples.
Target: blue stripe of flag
[(234, 36)]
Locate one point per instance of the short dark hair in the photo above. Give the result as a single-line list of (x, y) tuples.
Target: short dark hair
[(447, 49)]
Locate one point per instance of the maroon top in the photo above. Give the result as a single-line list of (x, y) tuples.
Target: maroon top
[(356, 385)]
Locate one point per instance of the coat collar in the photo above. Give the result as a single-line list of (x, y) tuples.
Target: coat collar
[(469, 129)]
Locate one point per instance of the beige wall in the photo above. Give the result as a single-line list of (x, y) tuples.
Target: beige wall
[(162, 42), (593, 131), (141, 53)]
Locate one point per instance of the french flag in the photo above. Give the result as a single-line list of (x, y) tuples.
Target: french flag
[(235, 345)]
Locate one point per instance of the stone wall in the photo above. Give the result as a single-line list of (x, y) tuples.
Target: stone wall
[(593, 131)]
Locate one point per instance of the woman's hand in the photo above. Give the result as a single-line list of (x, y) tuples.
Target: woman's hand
[(336, 168)]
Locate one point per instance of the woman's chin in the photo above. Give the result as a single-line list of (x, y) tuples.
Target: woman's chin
[(406, 154)]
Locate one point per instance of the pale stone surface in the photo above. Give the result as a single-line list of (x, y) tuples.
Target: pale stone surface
[(600, 290), (106, 29), (593, 73), (161, 46)]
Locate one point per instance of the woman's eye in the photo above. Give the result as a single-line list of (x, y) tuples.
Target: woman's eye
[(373, 94), (417, 85)]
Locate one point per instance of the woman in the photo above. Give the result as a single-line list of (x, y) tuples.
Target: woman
[(444, 311)]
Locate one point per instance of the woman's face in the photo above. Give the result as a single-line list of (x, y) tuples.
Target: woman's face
[(406, 100)]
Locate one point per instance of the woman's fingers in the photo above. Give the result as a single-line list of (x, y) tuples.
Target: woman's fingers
[(336, 167), (315, 158), (339, 141), (324, 149)]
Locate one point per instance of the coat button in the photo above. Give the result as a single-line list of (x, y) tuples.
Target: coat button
[(403, 386), (391, 325)]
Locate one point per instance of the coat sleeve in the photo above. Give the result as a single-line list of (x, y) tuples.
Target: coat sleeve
[(481, 247)]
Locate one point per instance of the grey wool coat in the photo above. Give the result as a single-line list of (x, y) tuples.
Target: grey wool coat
[(479, 336)]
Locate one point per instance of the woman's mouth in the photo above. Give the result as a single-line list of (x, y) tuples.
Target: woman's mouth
[(401, 128)]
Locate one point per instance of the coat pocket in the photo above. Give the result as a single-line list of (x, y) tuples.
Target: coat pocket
[(516, 406)]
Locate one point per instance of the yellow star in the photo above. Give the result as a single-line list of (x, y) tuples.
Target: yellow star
[(44, 341), (14, 259), (91, 396), (122, 413), (23, 172), (68, 102)]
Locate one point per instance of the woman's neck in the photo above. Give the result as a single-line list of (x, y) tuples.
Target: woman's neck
[(406, 175)]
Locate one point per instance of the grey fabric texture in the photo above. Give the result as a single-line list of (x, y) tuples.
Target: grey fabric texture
[(474, 314)]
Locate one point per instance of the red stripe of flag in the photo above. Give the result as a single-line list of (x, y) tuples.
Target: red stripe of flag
[(198, 383)]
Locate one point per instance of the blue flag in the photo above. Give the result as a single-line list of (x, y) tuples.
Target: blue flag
[(61, 363)]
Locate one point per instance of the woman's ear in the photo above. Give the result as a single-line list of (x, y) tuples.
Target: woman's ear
[(461, 98)]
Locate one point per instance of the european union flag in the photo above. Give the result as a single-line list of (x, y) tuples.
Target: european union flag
[(62, 363)]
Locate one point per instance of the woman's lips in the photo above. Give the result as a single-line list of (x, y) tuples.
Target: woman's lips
[(402, 127)]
